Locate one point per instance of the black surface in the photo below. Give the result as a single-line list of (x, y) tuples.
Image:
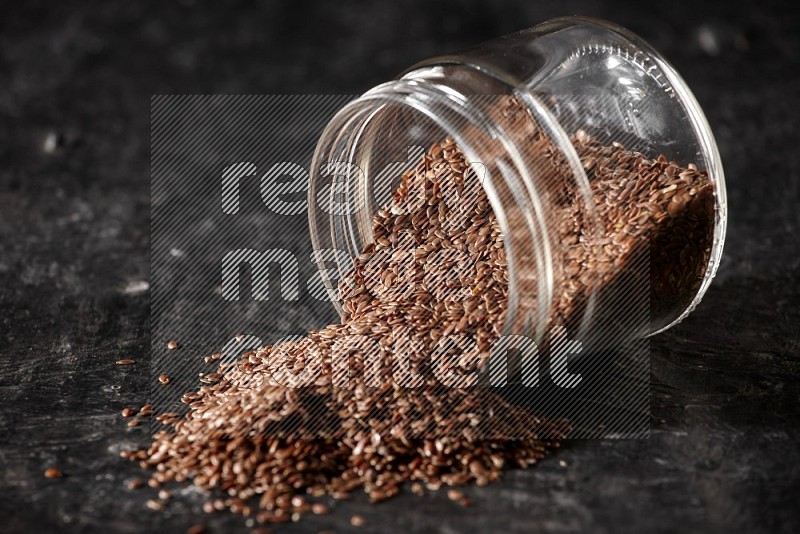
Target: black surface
[(724, 452)]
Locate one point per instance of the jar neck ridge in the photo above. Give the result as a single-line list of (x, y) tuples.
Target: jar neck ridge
[(492, 124)]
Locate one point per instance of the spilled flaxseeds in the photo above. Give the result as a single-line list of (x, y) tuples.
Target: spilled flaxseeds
[(436, 268)]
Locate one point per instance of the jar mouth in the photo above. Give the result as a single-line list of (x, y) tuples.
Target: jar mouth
[(427, 107)]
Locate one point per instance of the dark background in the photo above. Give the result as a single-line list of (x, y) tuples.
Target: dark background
[(724, 454)]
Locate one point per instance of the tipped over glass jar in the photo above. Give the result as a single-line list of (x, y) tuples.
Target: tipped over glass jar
[(597, 161)]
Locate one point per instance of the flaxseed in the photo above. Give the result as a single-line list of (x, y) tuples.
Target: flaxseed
[(53, 472)]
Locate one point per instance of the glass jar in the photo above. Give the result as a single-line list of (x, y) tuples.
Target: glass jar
[(575, 121)]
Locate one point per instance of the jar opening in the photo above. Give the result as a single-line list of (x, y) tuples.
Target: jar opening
[(525, 162)]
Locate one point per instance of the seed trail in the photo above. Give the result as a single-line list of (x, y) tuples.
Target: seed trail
[(436, 269)]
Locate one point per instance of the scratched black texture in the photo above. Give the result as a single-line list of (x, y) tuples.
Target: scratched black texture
[(75, 87)]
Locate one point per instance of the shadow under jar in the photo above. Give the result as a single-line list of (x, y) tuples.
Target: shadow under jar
[(595, 157)]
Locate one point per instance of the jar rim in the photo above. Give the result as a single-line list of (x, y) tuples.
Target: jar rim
[(419, 94)]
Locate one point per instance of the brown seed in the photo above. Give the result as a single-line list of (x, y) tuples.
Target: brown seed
[(133, 422), (155, 505), (196, 529), (172, 345), (135, 483), (358, 521), (164, 379), (280, 516), (284, 502), (164, 495), (127, 412), (319, 508), (125, 362), (53, 472), (455, 495), (477, 469)]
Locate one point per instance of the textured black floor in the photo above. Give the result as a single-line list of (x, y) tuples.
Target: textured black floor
[(724, 453)]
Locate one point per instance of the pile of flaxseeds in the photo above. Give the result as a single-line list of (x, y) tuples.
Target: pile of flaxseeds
[(436, 269)]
